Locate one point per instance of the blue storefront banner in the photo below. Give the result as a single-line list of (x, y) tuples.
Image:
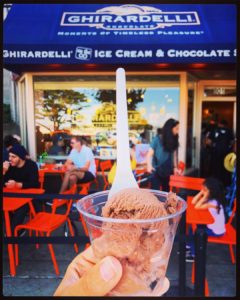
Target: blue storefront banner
[(108, 34)]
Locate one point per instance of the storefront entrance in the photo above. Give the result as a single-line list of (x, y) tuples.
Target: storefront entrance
[(213, 112), (216, 101)]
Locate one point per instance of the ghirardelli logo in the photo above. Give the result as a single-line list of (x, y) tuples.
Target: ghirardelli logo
[(83, 53), (130, 17)]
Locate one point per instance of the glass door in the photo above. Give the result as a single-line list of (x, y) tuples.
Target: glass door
[(216, 101)]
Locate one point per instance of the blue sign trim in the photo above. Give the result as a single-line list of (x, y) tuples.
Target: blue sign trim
[(107, 34)]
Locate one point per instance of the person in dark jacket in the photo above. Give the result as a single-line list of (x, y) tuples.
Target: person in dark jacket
[(223, 139), (20, 172)]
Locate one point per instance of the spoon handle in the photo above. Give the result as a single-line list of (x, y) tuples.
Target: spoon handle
[(124, 177)]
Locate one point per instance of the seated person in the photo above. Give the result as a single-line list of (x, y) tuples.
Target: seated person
[(80, 164), (210, 197), (20, 172), (57, 147)]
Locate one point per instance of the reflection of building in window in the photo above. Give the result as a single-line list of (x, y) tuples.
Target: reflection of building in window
[(105, 117), (87, 107), (58, 107)]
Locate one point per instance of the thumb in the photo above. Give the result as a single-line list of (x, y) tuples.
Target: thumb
[(99, 280)]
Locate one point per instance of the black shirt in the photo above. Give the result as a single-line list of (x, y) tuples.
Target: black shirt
[(27, 174), (223, 140)]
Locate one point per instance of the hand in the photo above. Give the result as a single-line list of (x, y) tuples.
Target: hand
[(6, 165), (11, 184), (88, 276), (150, 168), (70, 167), (177, 171), (200, 198), (205, 193)]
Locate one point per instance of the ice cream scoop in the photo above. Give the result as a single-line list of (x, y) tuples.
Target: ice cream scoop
[(124, 177)]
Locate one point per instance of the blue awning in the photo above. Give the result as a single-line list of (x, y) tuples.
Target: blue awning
[(113, 34)]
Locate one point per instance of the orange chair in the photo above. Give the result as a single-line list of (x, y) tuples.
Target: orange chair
[(45, 222), (11, 205), (41, 178), (185, 182), (229, 238), (84, 187), (105, 166)]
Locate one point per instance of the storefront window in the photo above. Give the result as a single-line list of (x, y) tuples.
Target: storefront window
[(86, 106)]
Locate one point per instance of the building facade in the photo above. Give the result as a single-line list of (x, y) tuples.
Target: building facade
[(177, 62)]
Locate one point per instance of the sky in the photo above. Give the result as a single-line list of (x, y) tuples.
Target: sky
[(159, 105)]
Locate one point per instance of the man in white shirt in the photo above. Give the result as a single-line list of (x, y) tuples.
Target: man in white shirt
[(80, 165)]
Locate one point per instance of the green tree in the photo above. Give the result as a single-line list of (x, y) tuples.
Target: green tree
[(134, 96), (56, 104)]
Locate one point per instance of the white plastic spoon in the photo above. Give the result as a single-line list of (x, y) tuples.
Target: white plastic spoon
[(124, 176)]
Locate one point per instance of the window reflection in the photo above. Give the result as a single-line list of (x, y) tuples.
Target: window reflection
[(66, 107)]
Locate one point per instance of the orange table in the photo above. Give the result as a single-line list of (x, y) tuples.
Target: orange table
[(12, 204), (197, 216), (50, 168)]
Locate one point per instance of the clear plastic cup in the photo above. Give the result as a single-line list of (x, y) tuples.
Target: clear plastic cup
[(143, 246)]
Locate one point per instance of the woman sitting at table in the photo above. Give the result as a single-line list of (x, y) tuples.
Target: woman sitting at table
[(211, 197), (19, 173)]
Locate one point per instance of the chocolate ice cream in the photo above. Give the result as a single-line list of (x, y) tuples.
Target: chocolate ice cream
[(142, 248)]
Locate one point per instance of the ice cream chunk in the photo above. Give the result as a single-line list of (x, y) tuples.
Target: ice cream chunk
[(142, 248), (171, 203)]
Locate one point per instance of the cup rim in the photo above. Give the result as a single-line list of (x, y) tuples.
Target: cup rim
[(130, 221)]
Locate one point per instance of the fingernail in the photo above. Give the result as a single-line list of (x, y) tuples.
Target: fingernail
[(109, 267)]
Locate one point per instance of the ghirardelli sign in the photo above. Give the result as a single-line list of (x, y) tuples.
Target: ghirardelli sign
[(106, 116), (130, 17)]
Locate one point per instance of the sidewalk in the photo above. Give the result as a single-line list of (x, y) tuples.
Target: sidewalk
[(36, 276)]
